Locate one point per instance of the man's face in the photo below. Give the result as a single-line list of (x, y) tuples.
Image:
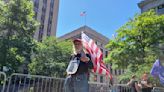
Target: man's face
[(145, 77), (78, 45)]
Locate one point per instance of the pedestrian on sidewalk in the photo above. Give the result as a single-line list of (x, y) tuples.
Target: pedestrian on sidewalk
[(78, 69), (133, 84), (145, 84)]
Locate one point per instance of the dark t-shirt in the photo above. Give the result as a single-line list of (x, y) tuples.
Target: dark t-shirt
[(83, 66), (132, 85), (144, 88)]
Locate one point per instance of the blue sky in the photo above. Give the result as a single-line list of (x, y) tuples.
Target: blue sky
[(105, 16)]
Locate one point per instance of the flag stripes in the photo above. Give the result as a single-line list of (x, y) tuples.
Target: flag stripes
[(96, 55)]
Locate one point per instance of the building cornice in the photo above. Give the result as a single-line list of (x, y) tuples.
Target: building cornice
[(144, 2), (86, 30)]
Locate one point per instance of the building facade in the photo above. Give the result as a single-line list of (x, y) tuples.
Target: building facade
[(101, 41), (46, 12), (146, 5)]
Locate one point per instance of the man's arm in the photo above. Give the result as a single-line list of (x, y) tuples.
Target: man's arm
[(148, 85), (128, 84), (137, 87)]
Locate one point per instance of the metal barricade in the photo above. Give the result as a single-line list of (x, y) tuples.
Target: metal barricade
[(120, 88), (34, 83), (158, 89), (98, 87), (2, 81)]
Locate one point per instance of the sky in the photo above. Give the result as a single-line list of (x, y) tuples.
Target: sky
[(104, 16)]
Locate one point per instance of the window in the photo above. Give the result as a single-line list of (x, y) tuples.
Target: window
[(123, 71), (111, 64), (43, 9), (50, 17), (107, 66), (101, 45), (48, 33), (102, 53), (42, 19), (106, 54), (96, 42), (40, 34), (95, 78), (35, 16), (36, 3), (36, 6), (161, 7), (101, 50), (115, 72), (44, 1), (101, 79), (110, 67), (111, 70), (119, 72)]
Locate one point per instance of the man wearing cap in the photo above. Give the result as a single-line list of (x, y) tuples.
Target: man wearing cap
[(78, 69)]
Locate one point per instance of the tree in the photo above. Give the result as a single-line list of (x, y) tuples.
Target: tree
[(51, 58), (136, 45), (16, 30)]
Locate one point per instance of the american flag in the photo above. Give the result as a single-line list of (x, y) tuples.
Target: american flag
[(83, 13), (96, 55)]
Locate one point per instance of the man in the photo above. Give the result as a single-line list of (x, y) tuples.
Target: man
[(78, 69), (145, 84), (133, 84)]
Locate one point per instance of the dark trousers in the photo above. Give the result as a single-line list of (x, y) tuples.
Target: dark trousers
[(76, 83)]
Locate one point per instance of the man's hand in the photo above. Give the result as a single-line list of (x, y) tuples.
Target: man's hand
[(84, 59)]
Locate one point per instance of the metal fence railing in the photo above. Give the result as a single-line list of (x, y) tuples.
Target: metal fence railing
[(125, 88), (2, 81), (34, 83), (98, 87), (158, 89), (120, 88)]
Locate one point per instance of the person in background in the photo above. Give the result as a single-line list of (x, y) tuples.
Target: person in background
[(78, 69), (144, 84), (133, 84)]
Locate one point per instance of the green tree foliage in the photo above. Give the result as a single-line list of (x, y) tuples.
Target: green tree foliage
[(135, 46), (2, 9), (52, 58), (16, 30)]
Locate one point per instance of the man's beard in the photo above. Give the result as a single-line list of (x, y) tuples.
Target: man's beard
[(78, 50)]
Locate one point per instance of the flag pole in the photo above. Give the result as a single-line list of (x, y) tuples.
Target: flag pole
[(85, 19)]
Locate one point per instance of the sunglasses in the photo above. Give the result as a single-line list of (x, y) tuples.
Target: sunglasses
[(77, 44)]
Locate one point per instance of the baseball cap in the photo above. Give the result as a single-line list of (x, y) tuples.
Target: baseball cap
[(77, 40)]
